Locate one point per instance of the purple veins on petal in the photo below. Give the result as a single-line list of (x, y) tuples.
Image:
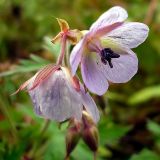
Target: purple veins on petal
[(113, 15), (107, 55), (75, 56), (95, 74), (56, 98), (43, 74), (38, 78), (124, 67), (129, 34), (93, 77)]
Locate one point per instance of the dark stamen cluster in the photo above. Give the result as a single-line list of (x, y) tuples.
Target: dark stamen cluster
[(106, 56)]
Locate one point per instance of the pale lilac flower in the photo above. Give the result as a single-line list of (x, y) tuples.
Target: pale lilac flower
[(105, 50), (58, 96)]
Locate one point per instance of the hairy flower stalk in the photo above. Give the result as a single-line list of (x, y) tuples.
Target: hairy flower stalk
[(62, 54)]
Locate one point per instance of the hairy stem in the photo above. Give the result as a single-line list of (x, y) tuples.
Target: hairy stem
[(63, 48), (67, 54)]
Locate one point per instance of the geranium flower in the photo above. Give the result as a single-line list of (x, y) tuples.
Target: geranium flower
[(58, 96), (105, 50)]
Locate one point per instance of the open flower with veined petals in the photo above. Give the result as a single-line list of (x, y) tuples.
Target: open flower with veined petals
[(105, 50), (58, 96)]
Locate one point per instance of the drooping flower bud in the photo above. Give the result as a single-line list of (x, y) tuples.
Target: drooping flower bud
[(72, 137), (89, 132)]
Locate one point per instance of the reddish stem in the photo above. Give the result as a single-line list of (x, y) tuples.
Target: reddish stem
[(63, 47)]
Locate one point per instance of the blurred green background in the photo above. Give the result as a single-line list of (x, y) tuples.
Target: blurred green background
[(130, 113)]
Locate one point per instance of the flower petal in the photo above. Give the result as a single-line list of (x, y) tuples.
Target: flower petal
[(35, 99), (75, 56), (130, 34), (56, 99), (93, 78), (43, 74), (124, 67), (113, 15), (90, 105)]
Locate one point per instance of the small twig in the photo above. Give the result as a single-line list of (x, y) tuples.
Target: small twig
[(151, 11)]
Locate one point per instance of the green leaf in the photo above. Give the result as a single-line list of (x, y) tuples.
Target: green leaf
[(82, 150), (38, 59), (145, 154), (33, 64), (52, 48), (116, 96), (144, 95), (56, 144), (2, 147), (153, 127), (15, 152), (110, 132)]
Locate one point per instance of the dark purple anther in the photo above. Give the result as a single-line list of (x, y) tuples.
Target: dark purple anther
[(106, 56)]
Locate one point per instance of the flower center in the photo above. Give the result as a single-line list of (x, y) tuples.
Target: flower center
[(106, 56)]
